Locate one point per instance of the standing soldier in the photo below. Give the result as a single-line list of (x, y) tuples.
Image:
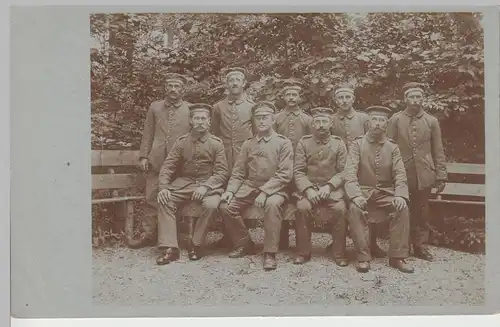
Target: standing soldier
[(319, 161), (231, 121), (292, 122), (349, 124), (418, 135), (375, 182), (263, 170), (166, 120), (195, 170)]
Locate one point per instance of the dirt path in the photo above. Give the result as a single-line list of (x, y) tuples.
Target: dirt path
[(131, 277)]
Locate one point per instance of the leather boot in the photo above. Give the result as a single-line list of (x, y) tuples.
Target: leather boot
[(423, 253), (270, 261), (242, 251), (401, 265), (194, 253), (170, 255), (362, 266), (301, 259)]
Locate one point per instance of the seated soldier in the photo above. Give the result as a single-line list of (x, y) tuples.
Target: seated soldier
[(375, 180), (319, 161), (194, 170), (261, 173)]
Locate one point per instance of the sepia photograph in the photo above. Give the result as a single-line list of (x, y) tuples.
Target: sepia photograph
[(288, 158)]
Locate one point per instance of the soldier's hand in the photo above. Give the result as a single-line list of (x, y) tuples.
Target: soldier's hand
[(399, 203), (360, 202), (260, 201), (163, 197), (143, 164), (312, 195), (227, 197), (324, 192), (199, 193), (440, 185)]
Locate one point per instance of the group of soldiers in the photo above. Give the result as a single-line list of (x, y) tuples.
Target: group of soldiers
[(361, 168)]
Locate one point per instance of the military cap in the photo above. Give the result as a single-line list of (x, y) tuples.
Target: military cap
[(321, 111), (293, 84), (174, 77), (378, 110), (235, 70), (196, 107), (412, 86), (344, 88), (263, 108)]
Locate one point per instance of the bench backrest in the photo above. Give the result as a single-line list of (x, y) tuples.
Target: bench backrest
[(465, 180)]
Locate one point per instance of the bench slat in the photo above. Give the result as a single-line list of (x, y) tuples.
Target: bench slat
[(457, 189), (108, 181), (465, 168), (129, 158), (114, 158)]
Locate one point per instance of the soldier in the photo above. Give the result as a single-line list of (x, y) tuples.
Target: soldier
[(195, 170), (166, 120), (418, 135), (319, 161), (292, 122), (262, 171), (375, 182), (231, 122), (349, 124)]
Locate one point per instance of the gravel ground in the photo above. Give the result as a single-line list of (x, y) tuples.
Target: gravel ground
[(131, 277)]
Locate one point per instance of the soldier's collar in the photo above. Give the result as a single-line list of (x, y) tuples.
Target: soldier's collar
[(418, 115), (322, 140), (372, 140), (349, 115), (176, 105), (237, 101), (201, 138), (295, 112), (266, 138)]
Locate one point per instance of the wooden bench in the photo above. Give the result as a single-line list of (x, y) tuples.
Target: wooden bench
[(115, 170)]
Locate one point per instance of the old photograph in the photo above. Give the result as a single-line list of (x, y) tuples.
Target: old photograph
[(288, 158)]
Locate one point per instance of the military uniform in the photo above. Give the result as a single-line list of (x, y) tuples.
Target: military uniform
[(350, 126), (419, 139), (293, 125), (193, 162), (165, 122), (265, 164), (320, 162), (232, 122), (375, 171)]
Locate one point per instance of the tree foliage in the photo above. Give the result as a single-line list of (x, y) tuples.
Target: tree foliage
[(377, 53)]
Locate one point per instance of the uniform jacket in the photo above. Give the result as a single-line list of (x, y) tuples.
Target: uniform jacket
[(195, 161), (165, 122), (349, 127), (375, 165), (320, 162), (419, 139), (232, 123), (264, 164), (293, 125)]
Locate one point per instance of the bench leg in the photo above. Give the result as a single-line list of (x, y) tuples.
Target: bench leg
[(284, 235), (128, 207)]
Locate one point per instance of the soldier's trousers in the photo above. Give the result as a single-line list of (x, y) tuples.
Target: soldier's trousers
[(399, 227), (167, 221), (273, 214), (419, 216), (305, 216), (149, 221)]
